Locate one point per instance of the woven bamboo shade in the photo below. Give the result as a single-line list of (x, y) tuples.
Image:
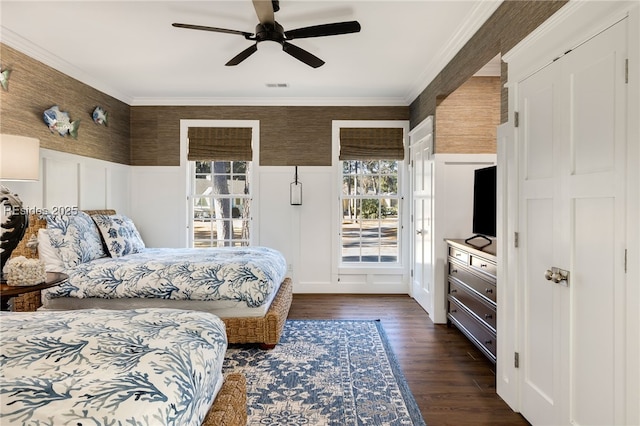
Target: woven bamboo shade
[(378, 143), (220, 144)]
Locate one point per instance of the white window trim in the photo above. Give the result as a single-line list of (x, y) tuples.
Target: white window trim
[(255, 170), (337, 267)]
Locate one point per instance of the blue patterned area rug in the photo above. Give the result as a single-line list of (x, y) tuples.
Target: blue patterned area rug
[(325, 373)]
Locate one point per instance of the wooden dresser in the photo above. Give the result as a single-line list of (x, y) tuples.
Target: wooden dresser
[(472, 291)]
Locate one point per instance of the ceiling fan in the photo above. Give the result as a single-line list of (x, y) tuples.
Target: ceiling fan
[(270, 30)]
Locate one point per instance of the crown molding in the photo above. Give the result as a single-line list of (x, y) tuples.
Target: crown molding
[(475, 19), (23, 45), (239, 101)]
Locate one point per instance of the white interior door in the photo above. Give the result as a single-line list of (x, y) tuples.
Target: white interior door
[(541, 342), (422, 284), (572, 203)]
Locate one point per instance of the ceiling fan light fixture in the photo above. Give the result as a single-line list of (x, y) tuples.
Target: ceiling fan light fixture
[(268, 29)]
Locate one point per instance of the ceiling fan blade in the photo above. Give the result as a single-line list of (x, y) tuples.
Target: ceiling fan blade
[(302, 55), (324, 30), (243, 55), (214, 29), (264, 10)]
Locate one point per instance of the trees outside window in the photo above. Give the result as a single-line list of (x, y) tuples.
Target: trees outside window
[(370, 203), (221, 203)]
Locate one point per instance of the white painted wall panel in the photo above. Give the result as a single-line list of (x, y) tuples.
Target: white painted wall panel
[(453, 212), (60, 183), (93, 187), (159, 205)]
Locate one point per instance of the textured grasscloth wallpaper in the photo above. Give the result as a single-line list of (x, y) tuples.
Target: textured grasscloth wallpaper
[(34, 87), (466, 121), (508, 25), (289, 135)]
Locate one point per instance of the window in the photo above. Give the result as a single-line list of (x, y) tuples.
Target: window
[(371, 164), (221, 203), (370, 211), (221, 164)]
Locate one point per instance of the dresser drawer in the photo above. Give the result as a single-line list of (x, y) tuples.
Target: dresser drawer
[(486, 312), (478, 333), (484, 265), (480, 284), (459, 255)]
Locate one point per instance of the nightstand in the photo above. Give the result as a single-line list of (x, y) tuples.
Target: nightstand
[(9, 291)]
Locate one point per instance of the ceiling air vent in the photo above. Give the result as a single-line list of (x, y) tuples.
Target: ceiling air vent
[(278, 85)]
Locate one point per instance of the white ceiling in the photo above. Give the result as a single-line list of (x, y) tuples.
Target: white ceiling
[(129, 50)]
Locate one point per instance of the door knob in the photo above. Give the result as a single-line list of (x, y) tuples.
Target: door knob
[(557, 275)]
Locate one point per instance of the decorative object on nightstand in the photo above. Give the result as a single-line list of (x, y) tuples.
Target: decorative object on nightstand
[(19, 161), (20, 271), (295, 191), (472, 292)]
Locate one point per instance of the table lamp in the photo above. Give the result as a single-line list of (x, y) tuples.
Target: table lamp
[(19, 161)]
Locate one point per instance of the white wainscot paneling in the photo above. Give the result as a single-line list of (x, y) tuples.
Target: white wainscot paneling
[(316, 216), (93, 187), (60, 183), (277, 221), (371, 283), (118, 188), (301, 232), (70, 181), (159, 205), (453, 215)]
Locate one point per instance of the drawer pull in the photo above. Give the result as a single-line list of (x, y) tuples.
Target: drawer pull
[(454, 271), (453, 290), (488, 316), (488, 290), (488, 342), (453, 311)]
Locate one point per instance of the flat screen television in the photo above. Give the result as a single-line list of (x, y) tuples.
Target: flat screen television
[(484, 204)]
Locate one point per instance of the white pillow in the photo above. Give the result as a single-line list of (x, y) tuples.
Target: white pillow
[(48, 254), (119, 233), (76, 238)]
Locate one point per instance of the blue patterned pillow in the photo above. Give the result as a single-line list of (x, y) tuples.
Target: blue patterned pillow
[(75, 237), (119, 233)]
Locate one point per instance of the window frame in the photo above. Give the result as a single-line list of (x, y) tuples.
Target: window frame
[(232, 196), (254, 182), (338, 265)]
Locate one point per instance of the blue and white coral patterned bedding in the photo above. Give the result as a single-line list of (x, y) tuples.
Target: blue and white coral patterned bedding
[(248, 274), (132, 367)]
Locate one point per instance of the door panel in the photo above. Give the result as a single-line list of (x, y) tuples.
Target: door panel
[(423, 286), (539, 336), (593, 302), (572, 201), (594, 76)]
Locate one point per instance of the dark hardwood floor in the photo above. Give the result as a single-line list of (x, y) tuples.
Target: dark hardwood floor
[(452, 382)]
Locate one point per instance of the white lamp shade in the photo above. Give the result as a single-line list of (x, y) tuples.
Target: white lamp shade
[(19, 158)]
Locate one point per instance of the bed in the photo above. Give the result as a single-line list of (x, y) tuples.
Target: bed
[(246, 287), (144, 366)]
